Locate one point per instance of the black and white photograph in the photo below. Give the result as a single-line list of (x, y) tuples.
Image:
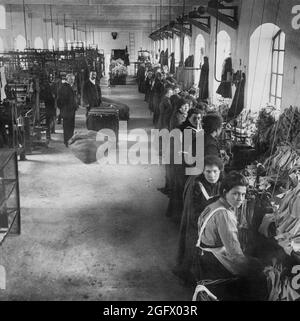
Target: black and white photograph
[(150, 151)]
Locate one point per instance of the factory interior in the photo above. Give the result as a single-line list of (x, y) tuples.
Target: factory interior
[(89, 210)]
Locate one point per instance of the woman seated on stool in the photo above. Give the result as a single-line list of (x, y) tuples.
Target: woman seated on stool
[(221, 256), (199, 192)]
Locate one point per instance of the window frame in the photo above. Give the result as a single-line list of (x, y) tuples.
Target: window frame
[(276, 74)]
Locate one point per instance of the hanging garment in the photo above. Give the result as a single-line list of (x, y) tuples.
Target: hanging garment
[(166, 58), (172, 64), (237, 105), (225, 89), (203, 81), (162, 57), (126, 59), (189, 62)]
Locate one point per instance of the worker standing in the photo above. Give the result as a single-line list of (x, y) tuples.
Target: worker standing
[(67, 103), (92, 96)]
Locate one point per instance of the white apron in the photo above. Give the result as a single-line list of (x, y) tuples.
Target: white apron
[(228, 261)]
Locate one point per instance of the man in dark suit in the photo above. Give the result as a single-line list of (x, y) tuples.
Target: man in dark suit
[(67, 103), (92, 96)]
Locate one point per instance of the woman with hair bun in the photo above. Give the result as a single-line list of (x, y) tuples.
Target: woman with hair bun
[(221, 256)]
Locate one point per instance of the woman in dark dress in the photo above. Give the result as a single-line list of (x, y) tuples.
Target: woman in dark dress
[(158, 91), (198, 193), (212, 126), (178, 171), (148, 84)]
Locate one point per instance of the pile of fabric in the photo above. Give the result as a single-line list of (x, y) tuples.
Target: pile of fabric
[(288, 221), (285, 160), (274, 129), (265, 121), (251, 215), (84, 146), (118, 68), (287, 128), (280, 284)]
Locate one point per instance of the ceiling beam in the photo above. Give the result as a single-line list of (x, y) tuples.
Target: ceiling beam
[(146, 3)]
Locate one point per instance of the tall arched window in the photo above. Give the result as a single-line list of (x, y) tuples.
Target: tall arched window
[(223, 52), (266, 59), (199, 54), (20, 43), (278, 51), (2, 17), (165, 44), (1, 45), (51, 44), (186, 47), (61, 44), (38, 43), (177, 50), (170, 41)]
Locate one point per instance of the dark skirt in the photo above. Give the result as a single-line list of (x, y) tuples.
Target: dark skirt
[(150, 101), (178, 180), (243, 288), (156, 102)]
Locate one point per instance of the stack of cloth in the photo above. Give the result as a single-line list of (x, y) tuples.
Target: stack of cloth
[(280, 285)]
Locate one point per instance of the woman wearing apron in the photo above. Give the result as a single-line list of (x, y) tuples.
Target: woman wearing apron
[(221, 256)]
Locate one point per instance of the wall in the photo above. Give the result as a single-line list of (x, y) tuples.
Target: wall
[(107, 43), (264, 11), (36, 27)]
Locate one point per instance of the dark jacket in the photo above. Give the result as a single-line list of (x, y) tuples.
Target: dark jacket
[(66, 101), (92, 94), (47, 97), (224, 88), (165, 113), (203, 81), (174, 101), (194, 203), (211, 146), (237, 105)]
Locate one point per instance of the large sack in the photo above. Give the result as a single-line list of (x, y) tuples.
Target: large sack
[(122, 108), (84, 146)]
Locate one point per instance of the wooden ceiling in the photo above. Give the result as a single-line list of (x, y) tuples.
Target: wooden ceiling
[(145, 15)]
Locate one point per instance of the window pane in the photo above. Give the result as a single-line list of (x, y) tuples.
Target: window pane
[(273, 85), (282, 41), (272, 100), (275, 60), (279, 86), (280, 62), (278, 103), (276, 43)]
